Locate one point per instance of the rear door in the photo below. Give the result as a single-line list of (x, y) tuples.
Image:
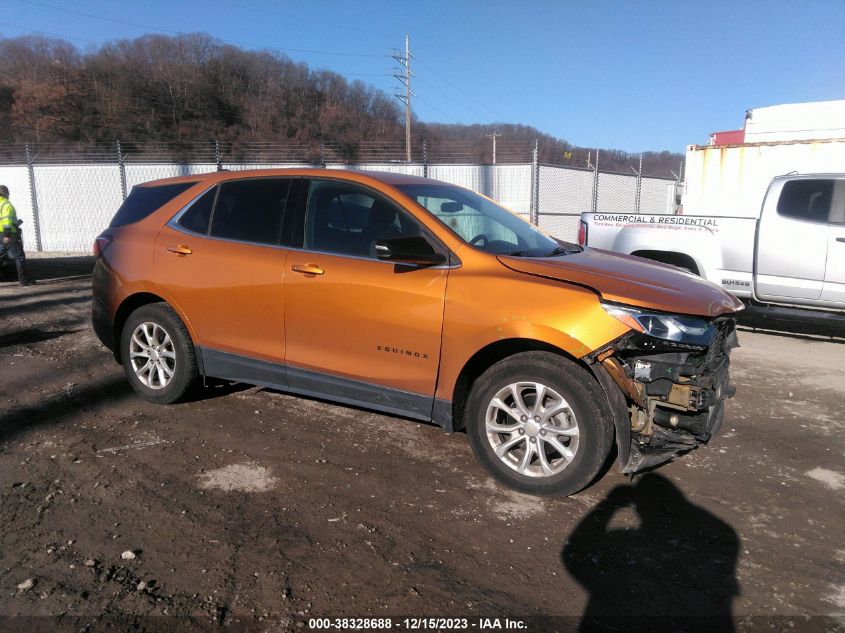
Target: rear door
[(221, 263), (792, 241), (834, 279)]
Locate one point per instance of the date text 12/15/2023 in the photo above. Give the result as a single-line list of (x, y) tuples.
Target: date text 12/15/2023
[(418, 624)]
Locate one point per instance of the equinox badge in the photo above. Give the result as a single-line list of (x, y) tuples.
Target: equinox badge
[(403, 352)]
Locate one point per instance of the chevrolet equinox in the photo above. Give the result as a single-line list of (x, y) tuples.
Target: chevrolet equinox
[(418, 298)]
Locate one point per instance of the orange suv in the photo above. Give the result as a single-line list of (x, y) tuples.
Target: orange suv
[(421, 299)]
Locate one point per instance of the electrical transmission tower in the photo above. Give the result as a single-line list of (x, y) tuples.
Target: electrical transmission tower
[(404, 75)]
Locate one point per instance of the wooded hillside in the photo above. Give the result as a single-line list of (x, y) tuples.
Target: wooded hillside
[(175, 90)]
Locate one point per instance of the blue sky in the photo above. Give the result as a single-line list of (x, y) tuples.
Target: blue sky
[(634, 76)]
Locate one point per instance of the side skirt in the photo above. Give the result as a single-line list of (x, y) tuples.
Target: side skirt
[(305, 382)]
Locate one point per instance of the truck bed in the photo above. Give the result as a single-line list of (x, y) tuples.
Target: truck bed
[(721, 248)]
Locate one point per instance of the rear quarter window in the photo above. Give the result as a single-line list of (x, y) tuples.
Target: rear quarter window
[(142, 201)]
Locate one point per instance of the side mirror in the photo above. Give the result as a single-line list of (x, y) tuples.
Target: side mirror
[(409, 250)]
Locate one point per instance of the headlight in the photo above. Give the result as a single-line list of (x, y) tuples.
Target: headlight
[(669, 327)]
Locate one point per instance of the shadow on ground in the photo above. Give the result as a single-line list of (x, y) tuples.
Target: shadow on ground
[(55, 408), (830, 326), (32, 335), (10, 308), (210, 388), (651, 560), (51, 269)]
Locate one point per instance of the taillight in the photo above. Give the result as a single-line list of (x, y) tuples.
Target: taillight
[(582, 233), (100, 244)]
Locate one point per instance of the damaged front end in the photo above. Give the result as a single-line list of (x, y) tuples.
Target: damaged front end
[(667, 381)]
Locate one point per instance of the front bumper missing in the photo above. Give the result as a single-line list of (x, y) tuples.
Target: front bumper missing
[(673, 395)]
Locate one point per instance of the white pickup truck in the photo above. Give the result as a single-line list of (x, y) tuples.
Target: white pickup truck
[(791, 255)]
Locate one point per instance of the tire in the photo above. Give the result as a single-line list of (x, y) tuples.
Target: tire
[(574, 414), (174, 372)]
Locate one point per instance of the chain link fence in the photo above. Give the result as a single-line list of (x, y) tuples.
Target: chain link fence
[(66, 198)]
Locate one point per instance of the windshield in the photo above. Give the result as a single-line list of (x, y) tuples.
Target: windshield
[(483, 223)]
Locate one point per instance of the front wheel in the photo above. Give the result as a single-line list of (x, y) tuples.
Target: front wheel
[(158, 354), (539, 423)]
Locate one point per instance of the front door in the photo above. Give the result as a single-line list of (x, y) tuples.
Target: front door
[(364, 331), (221, 264), (792, 243), (834, 278)]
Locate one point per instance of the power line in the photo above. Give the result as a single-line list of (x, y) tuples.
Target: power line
[(277, 48), (436, 109), (102, 42), (67, 37), (458, 103), (463, 92), (400, 59), (174, 32), (405, 60)]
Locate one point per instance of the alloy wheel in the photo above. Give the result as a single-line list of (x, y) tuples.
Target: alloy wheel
[(152, 355), (532, 429)]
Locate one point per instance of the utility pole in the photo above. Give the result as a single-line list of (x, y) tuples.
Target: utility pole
[(404, 76), (33, 196), (121, 165), (493, 135), (534, 211), (639, 185)]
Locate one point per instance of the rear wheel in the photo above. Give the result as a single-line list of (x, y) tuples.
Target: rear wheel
[(158, 355), (539, 423)]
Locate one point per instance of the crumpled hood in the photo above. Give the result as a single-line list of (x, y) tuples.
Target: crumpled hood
[(632, 280)]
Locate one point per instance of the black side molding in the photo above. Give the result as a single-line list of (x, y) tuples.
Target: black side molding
[(305, 382)]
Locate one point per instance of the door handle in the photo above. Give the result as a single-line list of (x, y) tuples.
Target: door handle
[(181, 249), (840, 239), (307, 269)]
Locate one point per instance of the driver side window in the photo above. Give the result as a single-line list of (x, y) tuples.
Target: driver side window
[(343, 219)]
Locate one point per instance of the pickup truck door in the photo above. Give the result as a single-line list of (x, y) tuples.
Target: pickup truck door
[(792, 241), (834, 278)]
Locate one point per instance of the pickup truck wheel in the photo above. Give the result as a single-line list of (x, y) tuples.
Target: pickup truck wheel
[(539, 423), (158, 355)]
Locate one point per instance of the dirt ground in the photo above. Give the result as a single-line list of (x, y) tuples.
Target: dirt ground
[(250, 508)]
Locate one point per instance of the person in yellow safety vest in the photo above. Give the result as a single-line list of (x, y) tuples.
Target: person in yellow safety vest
[(12, 245)]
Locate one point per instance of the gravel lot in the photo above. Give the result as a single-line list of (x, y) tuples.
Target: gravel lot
[(251, 507)]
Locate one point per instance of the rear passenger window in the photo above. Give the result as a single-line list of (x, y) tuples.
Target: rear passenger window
[(806, 200), (197, 216), (251, 210), (348, 220), (142, 201)]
